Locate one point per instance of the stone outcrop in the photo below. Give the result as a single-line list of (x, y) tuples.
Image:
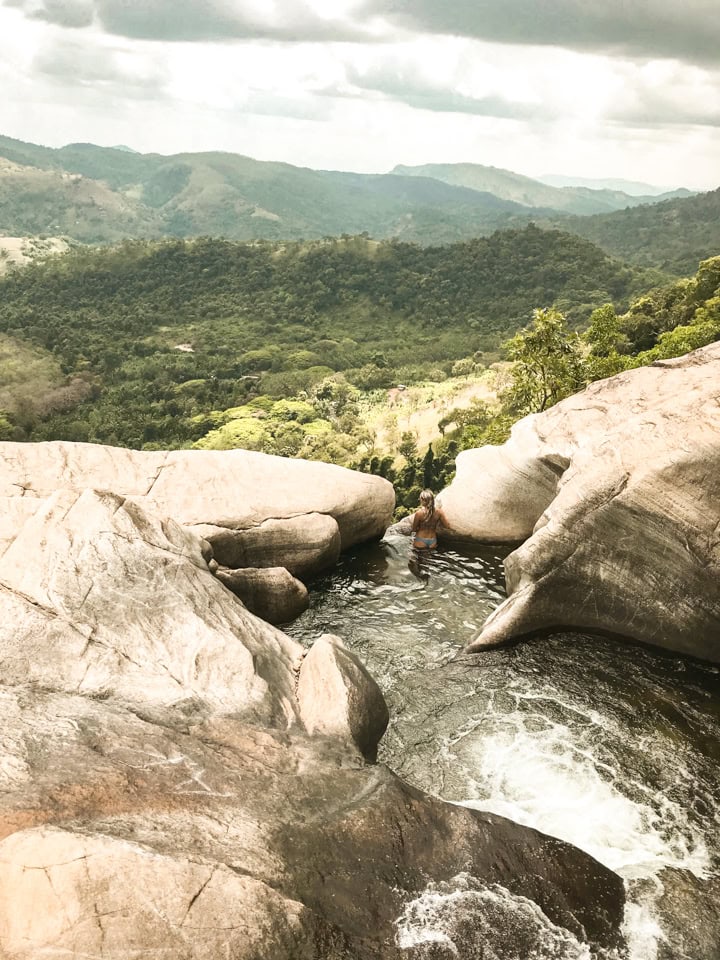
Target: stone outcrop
[(254, 510), (270, 592), (615, 493), (236, 490), (306, 544), (167, 785), (338, 697)]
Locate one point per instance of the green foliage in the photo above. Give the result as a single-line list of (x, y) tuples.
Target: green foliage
[(551, 362), (672, 236), (218, 345), (7, 429), (547, 361), (682, 304), (607, 345), (167, 334)]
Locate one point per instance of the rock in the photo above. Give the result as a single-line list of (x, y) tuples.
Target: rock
[(232, 489), (165, 787), (302, 545), (101, 598), (121, 898), (626, 539), (693, 905), (402, 528), (338, 697), (271, 593), (162, 833), (499, 492)]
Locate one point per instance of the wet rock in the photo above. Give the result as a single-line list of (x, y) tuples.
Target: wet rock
[(693, 905), (161, 832), (271, 593), (338, 697), (621, 484)]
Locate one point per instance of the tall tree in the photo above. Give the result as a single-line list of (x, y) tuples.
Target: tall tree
[(547, 364)]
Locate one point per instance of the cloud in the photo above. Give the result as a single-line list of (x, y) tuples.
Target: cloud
[(76, 64), (641, 29), (662, 111), (64, 13), (408, 84), (647, 29), (207, 20), (666, 94)]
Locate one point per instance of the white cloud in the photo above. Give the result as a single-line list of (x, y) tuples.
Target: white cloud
[(358, 105)]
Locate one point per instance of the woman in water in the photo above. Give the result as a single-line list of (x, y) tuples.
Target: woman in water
[(425, 522)]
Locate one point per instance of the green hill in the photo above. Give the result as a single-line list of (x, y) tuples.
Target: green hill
[(673, 235), (97, 194), (167, 332), (578, 200), (105, 194)]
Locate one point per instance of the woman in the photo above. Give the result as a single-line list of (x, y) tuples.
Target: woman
[(425, 522)]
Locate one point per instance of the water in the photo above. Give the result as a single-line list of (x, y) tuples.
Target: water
[(608, 745)]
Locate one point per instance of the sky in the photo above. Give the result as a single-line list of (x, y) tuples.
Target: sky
[(593, 88)]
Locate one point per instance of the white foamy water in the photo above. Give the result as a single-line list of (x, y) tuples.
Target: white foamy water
[(466, 918), (552, 783)]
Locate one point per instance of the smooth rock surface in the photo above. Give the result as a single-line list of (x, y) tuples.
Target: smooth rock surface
[(306, 544), (270, 592), (627, 537), (338, 697), (101, 598), (236, 490)]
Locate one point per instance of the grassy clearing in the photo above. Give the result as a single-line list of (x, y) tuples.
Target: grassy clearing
[(418, 409), (26, 374)]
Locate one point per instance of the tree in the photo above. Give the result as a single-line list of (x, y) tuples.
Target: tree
[(408, 446), (605, 341), (548, 364)]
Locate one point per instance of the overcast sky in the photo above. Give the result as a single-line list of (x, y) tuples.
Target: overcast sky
[(594, 88)]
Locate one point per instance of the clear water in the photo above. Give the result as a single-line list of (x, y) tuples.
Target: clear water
[(608, 745)]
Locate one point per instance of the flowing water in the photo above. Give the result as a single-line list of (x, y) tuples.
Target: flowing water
[(608, 745)]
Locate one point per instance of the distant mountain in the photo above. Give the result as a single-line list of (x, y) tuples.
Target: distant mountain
[(634, 188), (99, 194), (580, 200), (673, 236), (103, 194)]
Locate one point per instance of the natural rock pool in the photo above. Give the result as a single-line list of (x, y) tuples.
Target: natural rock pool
[(608, 745)]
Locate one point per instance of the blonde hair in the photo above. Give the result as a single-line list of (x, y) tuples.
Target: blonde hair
[(427, 500)]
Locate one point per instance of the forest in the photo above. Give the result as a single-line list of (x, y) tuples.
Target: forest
[(280, 347)]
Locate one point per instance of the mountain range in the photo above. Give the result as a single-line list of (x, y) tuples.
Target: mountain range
[(579, 200), (98, 194)]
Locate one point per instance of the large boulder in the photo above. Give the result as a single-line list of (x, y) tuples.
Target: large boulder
[(269, 592), (103, 599), (253, 510), (224, 494), (121, 834), (619, 511), (306, 544), (161, 788)]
